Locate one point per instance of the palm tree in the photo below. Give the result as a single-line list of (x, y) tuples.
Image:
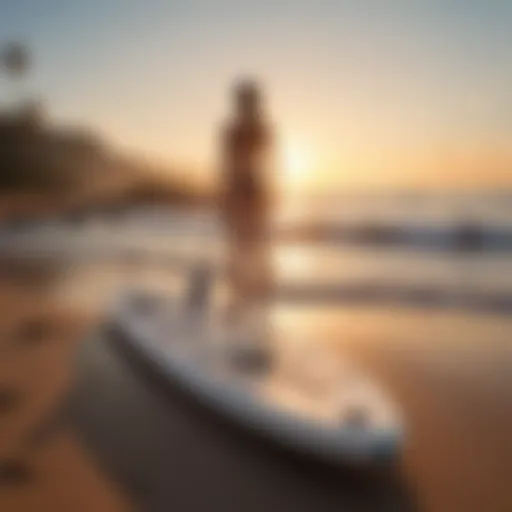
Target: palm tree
[(15, 60)]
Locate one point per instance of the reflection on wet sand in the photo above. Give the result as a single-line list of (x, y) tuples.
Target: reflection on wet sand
[(451, 375)]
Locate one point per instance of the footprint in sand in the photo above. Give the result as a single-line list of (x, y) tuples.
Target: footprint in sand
[(33, 331), (10, 399), (14, 472)]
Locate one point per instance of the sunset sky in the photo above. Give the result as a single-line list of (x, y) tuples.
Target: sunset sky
[(363, 93)]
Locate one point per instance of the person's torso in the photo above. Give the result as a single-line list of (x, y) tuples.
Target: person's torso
[(246, 159)]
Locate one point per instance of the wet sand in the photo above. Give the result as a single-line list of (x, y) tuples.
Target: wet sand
[(451, 375)]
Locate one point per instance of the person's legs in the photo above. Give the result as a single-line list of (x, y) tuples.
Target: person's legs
[(249, 269), (235, 265), (236, 284)]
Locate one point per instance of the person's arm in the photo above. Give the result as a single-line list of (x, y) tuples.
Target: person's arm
[(223, 164), (272, 165), (222, 154)]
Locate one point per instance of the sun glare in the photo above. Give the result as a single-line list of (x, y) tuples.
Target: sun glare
[(298, 163)]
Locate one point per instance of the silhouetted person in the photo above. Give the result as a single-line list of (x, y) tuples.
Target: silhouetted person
[(245, 199)]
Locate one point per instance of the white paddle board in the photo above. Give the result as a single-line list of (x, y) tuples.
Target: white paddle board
[(297, 395)]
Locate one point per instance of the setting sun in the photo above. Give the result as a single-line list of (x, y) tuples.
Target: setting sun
[(297, 163)]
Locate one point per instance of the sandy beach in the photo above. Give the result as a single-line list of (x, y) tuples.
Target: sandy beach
[(54, 473)]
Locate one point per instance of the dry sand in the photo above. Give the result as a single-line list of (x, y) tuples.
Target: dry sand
[(56, 473)]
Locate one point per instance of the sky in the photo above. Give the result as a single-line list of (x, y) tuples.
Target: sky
[(387, 93)]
